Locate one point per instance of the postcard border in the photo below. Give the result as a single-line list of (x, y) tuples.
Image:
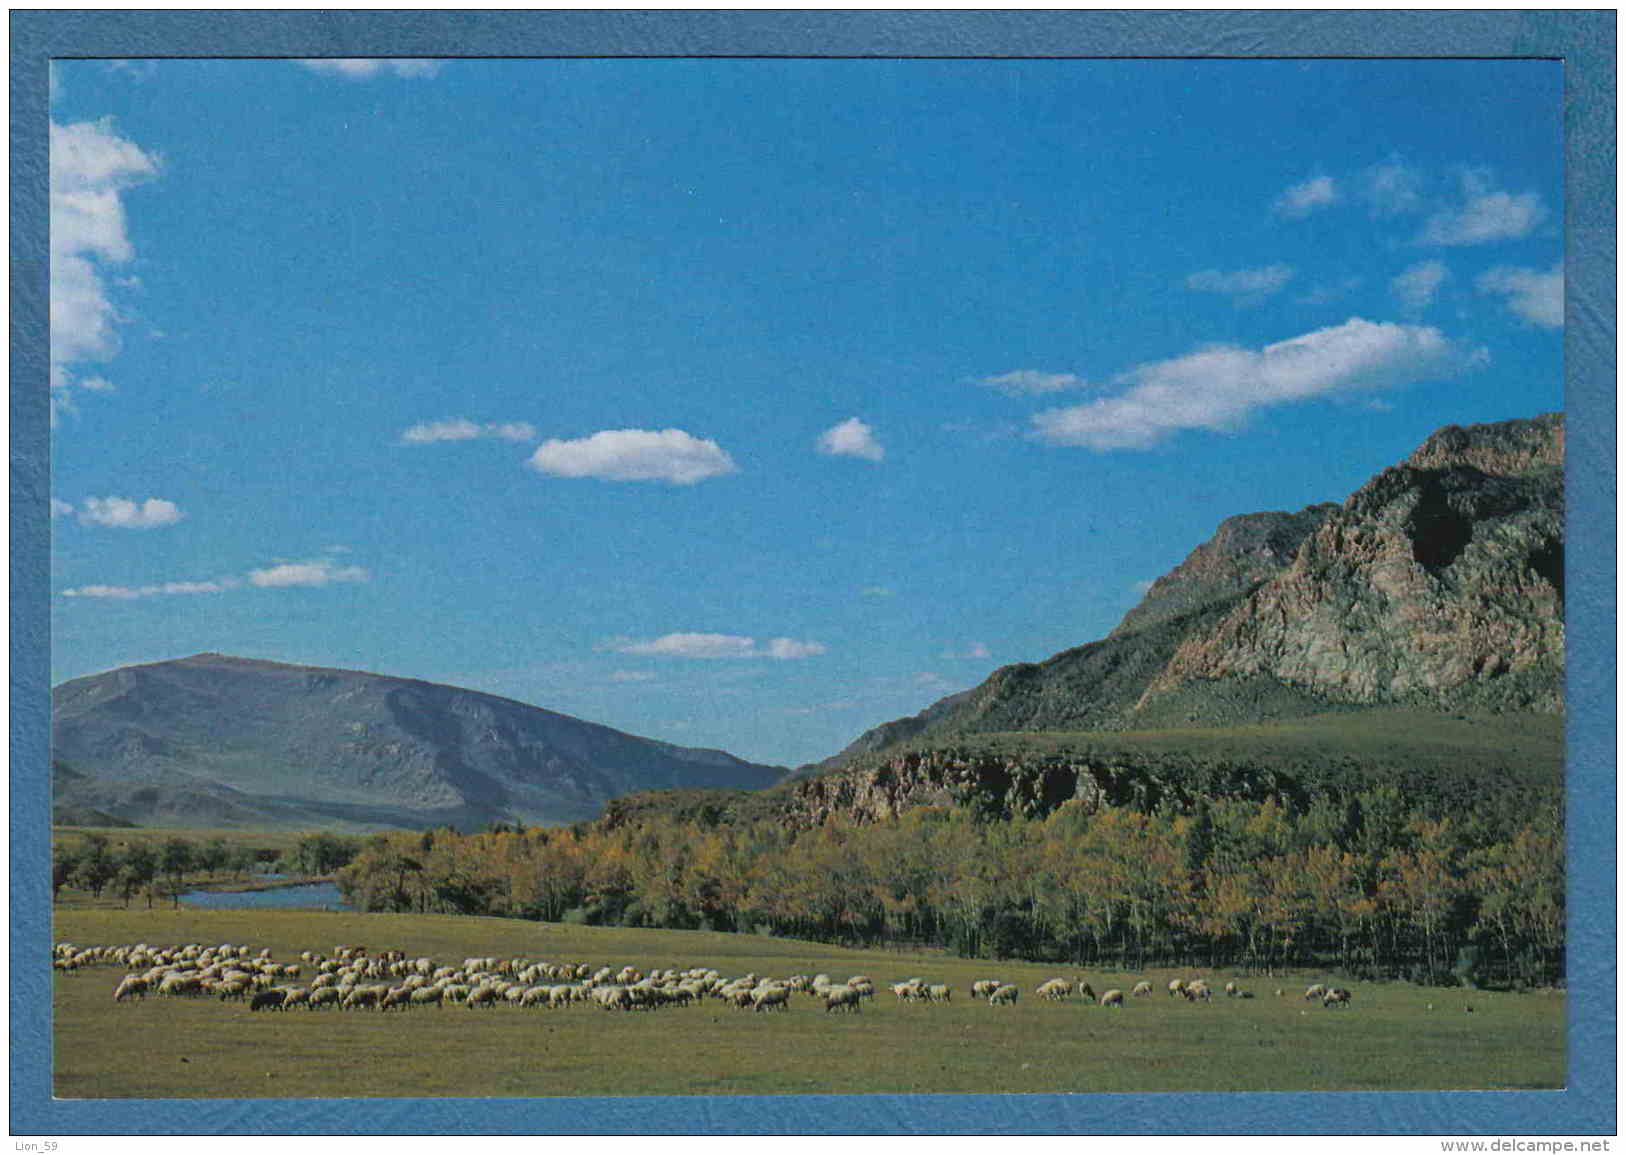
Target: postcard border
[(1585, 40)]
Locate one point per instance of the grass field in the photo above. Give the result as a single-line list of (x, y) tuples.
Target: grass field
[(183, 1048)]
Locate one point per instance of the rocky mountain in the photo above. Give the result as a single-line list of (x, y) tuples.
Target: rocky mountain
[(213, 740), (1438, 586)]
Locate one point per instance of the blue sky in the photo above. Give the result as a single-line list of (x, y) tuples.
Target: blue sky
[(751, 403)]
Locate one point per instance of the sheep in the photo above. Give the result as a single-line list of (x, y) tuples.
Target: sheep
[(1086, 991), (359, 997), (938, 993), (1198, 990), (425, 996), (1141, 990), (325, 997), (132, 987), (1177, 987), (231, 989), (846, 997), (271, 1000), (295, 996), (1231, 990), (1317, 991), (1336, 997), (1054, 989), (982, 988), (907, 991), (1005, 994), (1112, 998), (775, 997)]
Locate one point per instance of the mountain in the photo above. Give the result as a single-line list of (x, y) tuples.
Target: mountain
[(212, 740), (1438, 586)]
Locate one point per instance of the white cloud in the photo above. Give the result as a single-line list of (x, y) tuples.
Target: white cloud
[(1143, 587), (60, 508), (1303, 199), (716, 646), (1392, 189), (852, 438), (462, 429), (305, 573), (670, 455), (122, 513), (165, 589), (1417, 287), (366, 69), (1021, 382), (1325, 294), (974, 650), (91, 166), (1486, 215), (1246, 286), (789, 649), (1535, 296), (620, 676), (1219, 387)]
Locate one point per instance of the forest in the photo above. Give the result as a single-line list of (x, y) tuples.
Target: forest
[(1364, 884)]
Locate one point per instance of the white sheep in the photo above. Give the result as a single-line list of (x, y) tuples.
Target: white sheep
[(1316, 991), (1054, 989), (1177, 987), (1141, 990), (846, 997), (1112, 998), (772, 998), (1005, 994)]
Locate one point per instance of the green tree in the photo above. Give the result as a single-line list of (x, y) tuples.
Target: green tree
[(174, 860)]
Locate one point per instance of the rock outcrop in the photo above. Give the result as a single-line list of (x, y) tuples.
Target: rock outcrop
[(1439, 582)]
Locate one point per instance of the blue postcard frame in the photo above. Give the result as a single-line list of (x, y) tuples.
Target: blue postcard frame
[(1584, 40)]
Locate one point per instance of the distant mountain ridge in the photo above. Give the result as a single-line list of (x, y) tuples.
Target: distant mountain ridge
[(214, 740), (1437, 585)]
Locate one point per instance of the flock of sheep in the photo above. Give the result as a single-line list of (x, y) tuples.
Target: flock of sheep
[(353, 979)]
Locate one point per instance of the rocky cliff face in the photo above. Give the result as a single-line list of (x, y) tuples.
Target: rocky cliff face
[(1438, 584)]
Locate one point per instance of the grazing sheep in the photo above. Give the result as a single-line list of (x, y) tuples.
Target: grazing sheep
[(772, 998), (982, 988), (1112, 998), (1230, 990), (1315, 992), (938, 993), (132, 987), (907, 991), (1198, 990), (845, 997), (295, 996), (1086, 992), (1336, 997), (1141, 990), (323, 997), (1054, 989), (271, 1000), (1005, 994), (1177, 987), (424, 996)]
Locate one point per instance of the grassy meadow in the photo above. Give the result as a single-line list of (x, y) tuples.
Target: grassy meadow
[(1388, 1039)]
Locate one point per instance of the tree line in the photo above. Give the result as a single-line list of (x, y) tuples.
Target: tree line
[(1363, 884), (154, 869)]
